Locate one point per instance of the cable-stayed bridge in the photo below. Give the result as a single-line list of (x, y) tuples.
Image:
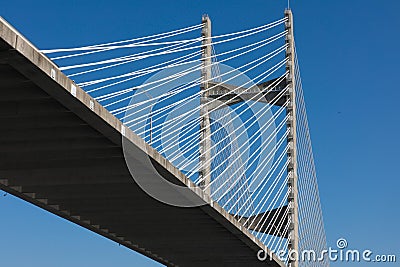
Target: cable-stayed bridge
[(190, 148)]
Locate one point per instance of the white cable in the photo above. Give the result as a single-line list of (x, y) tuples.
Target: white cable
[(238, 96), (106, 45), (275, 99), (171, 121), (234, 50), (266, 197), (268, 176), (227, 80), (249, 145), (274, 218), (270, 40), (271, 171), (237, 115), (147, 70), (219, 42), (133, 57), (249, 30), (256, 98), (187, 113)]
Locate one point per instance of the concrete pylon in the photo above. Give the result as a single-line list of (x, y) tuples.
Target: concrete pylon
[(293, 244), (205, 128)]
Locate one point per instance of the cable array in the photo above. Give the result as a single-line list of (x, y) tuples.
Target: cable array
[(153, 85), (311, 226)]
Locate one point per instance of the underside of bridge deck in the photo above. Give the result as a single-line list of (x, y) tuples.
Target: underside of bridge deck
[(67, 159)]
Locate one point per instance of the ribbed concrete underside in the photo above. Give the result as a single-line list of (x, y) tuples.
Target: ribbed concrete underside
[(59, 155)]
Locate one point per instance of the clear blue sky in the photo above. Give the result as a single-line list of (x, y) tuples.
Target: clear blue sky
[(349, 61)]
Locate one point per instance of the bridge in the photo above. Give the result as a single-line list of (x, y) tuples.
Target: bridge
[(98, 151)]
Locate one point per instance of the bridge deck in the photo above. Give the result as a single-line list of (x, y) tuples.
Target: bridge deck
[(62, 156)]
